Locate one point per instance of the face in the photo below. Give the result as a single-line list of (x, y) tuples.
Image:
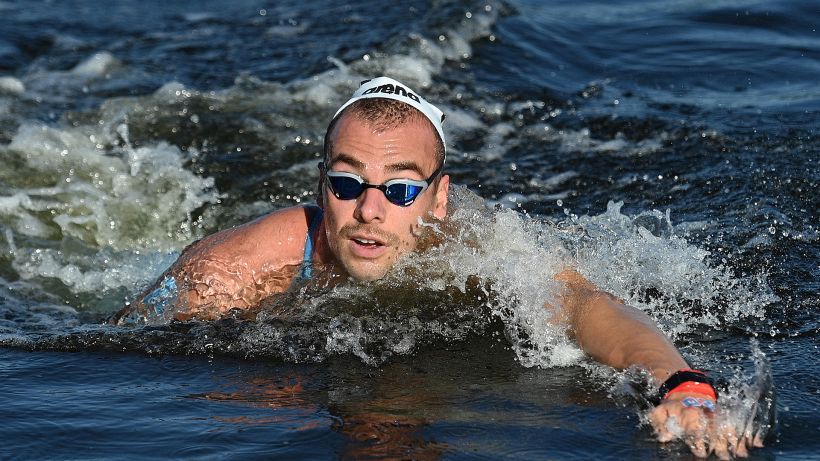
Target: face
[(368, 234)]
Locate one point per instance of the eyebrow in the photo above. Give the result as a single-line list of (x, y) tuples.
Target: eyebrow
[(392, 168)]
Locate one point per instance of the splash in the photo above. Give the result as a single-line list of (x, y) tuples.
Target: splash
[(747, 399), (97, 207), (491, 276), (750, 402), (644, 261), (83, 207), (514, 262)]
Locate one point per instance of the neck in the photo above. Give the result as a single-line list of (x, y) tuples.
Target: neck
[(321, 250)]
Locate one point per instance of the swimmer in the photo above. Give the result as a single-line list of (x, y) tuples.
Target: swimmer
[(382, 176)]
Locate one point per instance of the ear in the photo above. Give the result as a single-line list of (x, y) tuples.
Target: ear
[(442, 191)]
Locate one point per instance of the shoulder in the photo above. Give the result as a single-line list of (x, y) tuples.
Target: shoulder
[(285, 223), (271, 241)]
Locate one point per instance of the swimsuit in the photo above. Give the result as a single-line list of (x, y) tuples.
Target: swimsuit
[(306, 270)]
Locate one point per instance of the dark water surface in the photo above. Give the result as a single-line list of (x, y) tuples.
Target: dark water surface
[(667, 149)]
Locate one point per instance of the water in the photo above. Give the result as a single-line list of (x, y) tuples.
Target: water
[(666, 149)]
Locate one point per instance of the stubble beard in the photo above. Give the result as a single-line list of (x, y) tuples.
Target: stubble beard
[(366, 269)]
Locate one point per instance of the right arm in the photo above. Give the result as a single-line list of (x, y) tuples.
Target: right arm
[(234, 268)]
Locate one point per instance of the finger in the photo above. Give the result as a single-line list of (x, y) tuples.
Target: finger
[(698, 446), (740, 449), (757, 440), (694, 426), (730, 444), (694, 422), (720, 444), (749, 434), (659, 417), (721, 451)]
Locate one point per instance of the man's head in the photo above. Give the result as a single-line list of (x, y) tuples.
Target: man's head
[(393, 142)]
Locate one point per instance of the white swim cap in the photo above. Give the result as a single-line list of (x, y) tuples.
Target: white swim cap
[(385, 87)]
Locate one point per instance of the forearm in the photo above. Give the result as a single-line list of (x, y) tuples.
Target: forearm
[(615, 334), (620, 336)]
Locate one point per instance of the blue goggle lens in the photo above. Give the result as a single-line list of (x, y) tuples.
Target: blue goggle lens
[(345, 188), (402, 193)]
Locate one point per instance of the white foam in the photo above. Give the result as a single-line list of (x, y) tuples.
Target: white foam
[(69, 42), (323, 93), (575, 141), (103, 195), (288, 30), (510, 252), (115, 212), (11, 85), (459, 120), (100, 273), (416, 65), (96, 66), (495, 145), (629, 255), (172, 92), (553, 181), (199, 16), (625, 255), (416, 72)]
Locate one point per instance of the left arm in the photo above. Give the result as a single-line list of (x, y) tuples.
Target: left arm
[(613, 333), (620, 336)]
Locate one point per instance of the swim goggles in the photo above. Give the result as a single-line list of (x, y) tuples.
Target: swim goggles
[(401, 192), (709, 404)]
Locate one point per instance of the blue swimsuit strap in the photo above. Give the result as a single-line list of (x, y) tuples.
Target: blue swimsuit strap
[(307, 260)]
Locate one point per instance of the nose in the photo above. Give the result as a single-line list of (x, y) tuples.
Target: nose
[(370, 206)]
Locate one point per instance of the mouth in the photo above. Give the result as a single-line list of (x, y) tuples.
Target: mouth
[(367, 242), (367, 246)]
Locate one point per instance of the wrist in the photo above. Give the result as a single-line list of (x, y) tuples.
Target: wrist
[(686, 381)]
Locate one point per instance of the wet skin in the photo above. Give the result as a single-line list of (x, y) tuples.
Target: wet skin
[(360, 238), (366, 235)]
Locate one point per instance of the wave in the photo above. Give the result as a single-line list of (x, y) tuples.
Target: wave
[(492, 276)]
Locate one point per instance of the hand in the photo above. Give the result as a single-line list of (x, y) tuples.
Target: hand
[(698, 426)]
